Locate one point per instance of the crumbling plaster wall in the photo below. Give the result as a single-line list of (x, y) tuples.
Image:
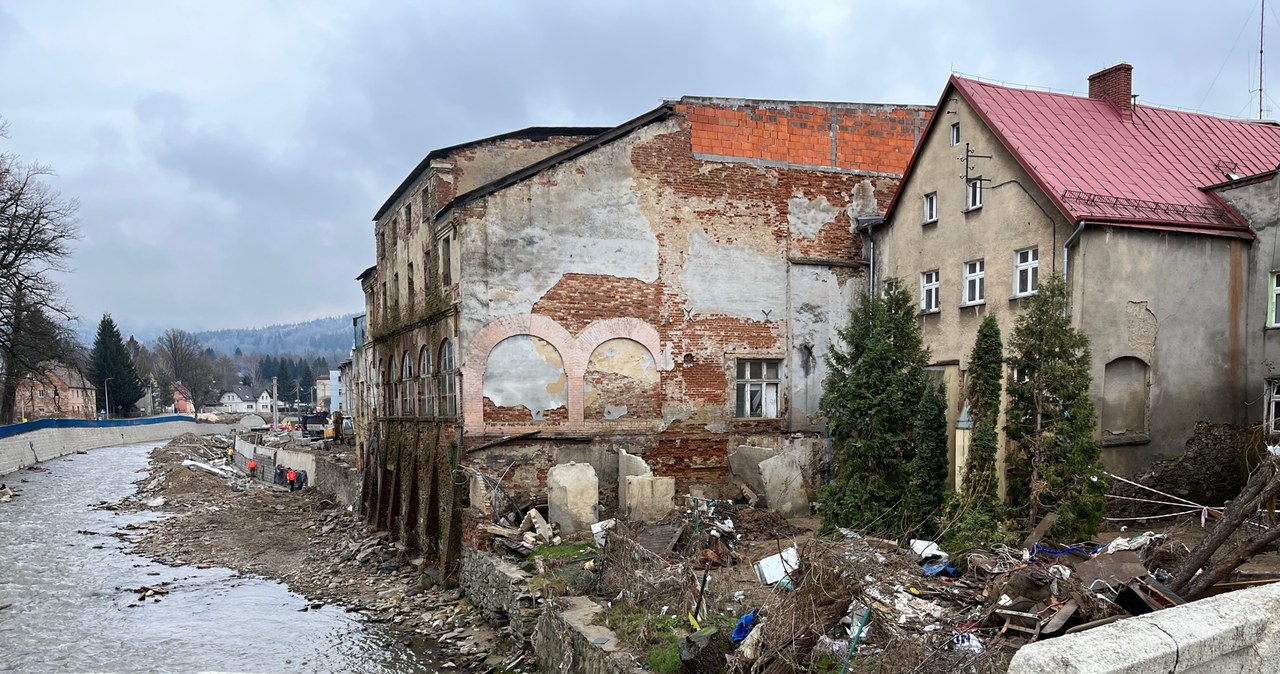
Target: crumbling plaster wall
[(694, 256), (1187, 327)]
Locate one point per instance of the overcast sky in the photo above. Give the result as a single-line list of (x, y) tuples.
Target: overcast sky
[(228, 155)]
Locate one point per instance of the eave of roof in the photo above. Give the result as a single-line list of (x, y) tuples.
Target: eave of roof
[(531, 133), (656, 115), (366, 273)]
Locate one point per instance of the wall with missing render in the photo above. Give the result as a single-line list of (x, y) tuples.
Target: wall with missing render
[(610, 297)]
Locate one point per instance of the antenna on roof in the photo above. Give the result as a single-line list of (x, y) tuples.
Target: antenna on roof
[(1262, 22)]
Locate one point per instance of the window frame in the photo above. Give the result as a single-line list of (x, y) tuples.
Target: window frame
[(745, 379), (979, 275), (1271, 413), (446, 263), (955, 134), (1273, 301), (930, 208), (1031, 267), (973, 195), (448, 382), (930, 289)]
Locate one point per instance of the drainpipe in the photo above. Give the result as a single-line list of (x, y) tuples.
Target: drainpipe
[(864, 225), (1066, 247), (1066, 259)]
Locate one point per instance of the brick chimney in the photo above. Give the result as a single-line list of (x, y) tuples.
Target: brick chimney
[(1114, 85)]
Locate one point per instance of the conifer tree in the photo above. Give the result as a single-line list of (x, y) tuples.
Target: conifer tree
[(113, 369), (883, 417), (1055, 459), (974, 515)]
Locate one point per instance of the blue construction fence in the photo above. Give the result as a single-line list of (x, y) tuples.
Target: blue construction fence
[(28, 426)]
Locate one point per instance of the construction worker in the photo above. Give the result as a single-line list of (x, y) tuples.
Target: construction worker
[(231, 456), (253, 467), (291, 476)]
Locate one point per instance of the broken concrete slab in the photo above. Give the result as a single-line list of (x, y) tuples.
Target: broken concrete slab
[(649, 498), (744, 464), (784, 485), (628, 465), (573, 495)]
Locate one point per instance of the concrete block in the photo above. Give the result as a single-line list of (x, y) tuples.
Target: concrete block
[(628, 465), (744, 464), (478, 494), (784, 487), (649, 498), (573, 494)]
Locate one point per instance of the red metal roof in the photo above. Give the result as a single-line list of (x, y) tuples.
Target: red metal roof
[(1148, 171)]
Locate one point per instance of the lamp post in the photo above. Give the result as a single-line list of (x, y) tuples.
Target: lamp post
[(106, 393)]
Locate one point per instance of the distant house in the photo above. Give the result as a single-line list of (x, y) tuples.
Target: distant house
[(324, 391), (182, 400), (58, 392), (242, 400)]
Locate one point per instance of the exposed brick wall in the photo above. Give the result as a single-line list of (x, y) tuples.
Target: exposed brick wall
[(861, 137)]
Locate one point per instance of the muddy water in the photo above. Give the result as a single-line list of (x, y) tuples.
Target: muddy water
[(72, 612)]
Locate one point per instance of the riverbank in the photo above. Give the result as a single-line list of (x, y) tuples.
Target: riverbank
[(304, 540)]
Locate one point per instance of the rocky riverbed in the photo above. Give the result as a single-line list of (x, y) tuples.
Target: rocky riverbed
[(302, 539)]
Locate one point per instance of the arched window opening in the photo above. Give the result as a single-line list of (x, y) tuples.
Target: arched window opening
[(406, 386), (426, 398), (448, 381)]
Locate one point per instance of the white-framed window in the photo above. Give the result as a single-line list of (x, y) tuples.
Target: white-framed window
[(407, 394), (930, 207), (955, 134), (448, 382), (1273, 301), (929, 291), (1026, 272), (973, 198), (975, 282), (758, 387), (1272, 410)]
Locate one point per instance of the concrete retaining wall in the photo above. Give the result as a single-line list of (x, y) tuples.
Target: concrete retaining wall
[(42, 444), (499, 589), (567, 641), (1233, 632), (340, 482)]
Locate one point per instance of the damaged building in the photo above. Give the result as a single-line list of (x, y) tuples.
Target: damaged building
[(643, 299)]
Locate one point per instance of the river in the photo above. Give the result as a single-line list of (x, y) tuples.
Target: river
[(72, 611)]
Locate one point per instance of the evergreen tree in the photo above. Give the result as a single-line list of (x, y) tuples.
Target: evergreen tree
[(113, 369), (1055, 464), (974, 515), (306, 382), (883, 416)]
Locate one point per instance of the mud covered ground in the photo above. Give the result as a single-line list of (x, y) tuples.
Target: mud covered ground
[(303, 540)]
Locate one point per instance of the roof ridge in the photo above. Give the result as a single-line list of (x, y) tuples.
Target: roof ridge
[(1067, 93)]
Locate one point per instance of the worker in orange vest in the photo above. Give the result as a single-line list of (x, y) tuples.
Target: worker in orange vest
[(291, 476), (253, 467)]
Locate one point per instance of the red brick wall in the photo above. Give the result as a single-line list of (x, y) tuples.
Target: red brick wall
[(876, 138)]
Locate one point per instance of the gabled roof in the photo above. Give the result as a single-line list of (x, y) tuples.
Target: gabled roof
[(656, 115), (534, 133), (1148, 171)]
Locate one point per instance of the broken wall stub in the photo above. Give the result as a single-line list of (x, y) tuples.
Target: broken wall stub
[(573, 493), (649, 498), (784, 485), (744, 465), (628, 466)]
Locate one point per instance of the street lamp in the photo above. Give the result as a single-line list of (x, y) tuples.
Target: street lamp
[(106, 393)]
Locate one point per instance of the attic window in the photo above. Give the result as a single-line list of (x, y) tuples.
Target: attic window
[(955, 134)]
